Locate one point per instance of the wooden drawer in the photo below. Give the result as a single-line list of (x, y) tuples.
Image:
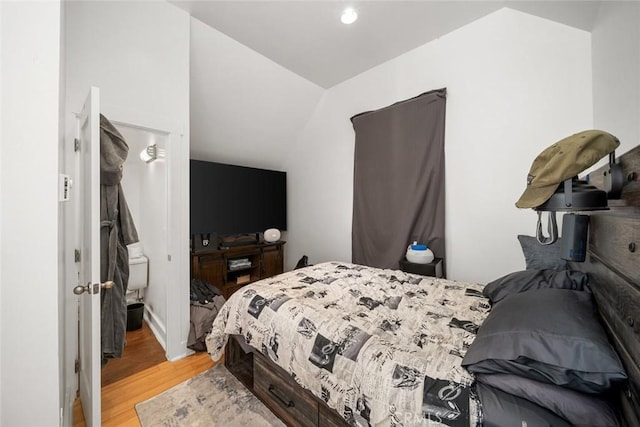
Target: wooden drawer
[(282, 394), (327, 417), (616, 239)]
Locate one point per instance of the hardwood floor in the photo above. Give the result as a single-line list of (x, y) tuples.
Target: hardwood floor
[(138, 384), (142, 351)]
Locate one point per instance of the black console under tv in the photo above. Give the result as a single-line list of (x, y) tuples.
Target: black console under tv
[(229, 200)]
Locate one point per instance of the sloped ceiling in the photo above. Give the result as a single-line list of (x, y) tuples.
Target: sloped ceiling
[(308, 38)]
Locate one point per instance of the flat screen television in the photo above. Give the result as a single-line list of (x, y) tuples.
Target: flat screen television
[(230, 200)]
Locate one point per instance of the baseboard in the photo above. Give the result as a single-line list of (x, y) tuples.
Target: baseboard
[(160, 332), (188, 352), (157, 327)]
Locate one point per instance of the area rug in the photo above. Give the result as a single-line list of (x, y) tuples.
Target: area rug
[(212, 398)]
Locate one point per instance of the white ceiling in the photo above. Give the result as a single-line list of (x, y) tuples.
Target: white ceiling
[(308, 38)]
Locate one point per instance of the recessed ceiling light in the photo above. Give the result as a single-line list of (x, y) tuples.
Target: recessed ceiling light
[(349, 16)]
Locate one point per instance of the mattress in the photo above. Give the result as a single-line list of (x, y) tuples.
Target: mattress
[(381, 347)]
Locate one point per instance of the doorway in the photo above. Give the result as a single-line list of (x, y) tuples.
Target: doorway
[(160, 191), (145, 186)]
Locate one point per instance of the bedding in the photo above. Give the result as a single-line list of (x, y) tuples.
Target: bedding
[(579, 409), (548, 335), (505, 410), (541, 257), (522, 281), (381, 347)]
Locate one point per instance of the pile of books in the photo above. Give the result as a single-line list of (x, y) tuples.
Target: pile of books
[(236, 264)]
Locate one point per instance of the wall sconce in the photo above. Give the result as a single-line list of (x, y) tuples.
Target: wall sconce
[(149, 154)]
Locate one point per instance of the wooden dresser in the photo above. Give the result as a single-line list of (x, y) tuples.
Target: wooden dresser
[(216, 266)]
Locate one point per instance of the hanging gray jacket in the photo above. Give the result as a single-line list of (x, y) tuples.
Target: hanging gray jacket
[(117, 230)]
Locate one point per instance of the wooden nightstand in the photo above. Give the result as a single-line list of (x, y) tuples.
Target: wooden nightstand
[(433, 268)]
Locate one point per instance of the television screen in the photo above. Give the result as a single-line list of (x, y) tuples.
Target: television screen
[(229, 199)]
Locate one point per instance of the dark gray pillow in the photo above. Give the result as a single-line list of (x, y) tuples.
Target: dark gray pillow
[(522, 281), (541, 257), (580, 409), (548, 335), (500, 409)]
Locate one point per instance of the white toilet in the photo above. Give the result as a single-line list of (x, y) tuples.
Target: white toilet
[(138, 274)]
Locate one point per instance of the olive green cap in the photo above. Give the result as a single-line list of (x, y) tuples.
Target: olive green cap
[(563, 160)]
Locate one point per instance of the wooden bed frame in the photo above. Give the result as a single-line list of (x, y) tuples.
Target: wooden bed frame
[(294, 405), (613, 264)]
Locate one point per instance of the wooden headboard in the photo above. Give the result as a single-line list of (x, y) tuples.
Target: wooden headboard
[(613, 264)]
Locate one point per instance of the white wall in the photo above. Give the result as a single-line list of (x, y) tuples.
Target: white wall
[(1, 181), (29, 358), (616, 72), (137, 53), (245, 108), (516, 84)]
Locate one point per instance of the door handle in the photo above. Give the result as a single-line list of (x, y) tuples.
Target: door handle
[(285, 401), (80, 289)]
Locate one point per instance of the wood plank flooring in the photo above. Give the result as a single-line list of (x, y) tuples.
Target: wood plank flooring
[(120, 396), (142, 351)]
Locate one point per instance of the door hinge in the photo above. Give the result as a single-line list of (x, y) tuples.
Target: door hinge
[(76, 255), (76, 366), (76, 144)]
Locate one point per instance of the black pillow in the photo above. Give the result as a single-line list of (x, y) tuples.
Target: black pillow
[(541, 257), (526, 280), (580, 409), (548, 335), (500, 409)]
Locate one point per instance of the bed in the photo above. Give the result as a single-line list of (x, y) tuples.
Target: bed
[(342, 344), (334, 324)]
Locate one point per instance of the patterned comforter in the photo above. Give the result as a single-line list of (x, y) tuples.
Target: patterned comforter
[(382, 347)]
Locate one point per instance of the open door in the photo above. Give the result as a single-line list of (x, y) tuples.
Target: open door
[(89, 277)]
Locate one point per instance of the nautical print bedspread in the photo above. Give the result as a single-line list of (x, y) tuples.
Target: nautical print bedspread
[(382, 347)]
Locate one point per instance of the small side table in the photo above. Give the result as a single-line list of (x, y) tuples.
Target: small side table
[(434, 268)]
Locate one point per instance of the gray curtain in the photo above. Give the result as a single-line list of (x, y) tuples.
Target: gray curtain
[(398, 193)]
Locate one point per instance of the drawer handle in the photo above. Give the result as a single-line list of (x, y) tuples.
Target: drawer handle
[(288, 404)]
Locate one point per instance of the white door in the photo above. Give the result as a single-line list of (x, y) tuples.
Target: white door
[(89, 227)]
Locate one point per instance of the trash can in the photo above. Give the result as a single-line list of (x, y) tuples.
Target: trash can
[(135, 312)]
